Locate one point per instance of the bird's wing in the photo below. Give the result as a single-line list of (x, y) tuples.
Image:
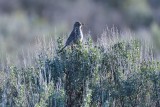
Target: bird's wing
[(70, 39)]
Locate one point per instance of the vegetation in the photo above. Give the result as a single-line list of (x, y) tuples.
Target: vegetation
[(123, 73), (112, 72)]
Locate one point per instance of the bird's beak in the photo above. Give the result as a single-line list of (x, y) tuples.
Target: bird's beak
[(82, 24)]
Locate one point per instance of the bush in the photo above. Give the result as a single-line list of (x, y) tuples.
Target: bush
[(90, 75)]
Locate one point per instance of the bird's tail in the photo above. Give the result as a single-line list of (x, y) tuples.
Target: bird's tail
[(62, 49)]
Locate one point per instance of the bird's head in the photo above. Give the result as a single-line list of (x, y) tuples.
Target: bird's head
[(78, 24)]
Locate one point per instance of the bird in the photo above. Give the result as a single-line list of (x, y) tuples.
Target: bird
[(75, 36)]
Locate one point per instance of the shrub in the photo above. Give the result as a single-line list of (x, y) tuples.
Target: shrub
[(122, 74)]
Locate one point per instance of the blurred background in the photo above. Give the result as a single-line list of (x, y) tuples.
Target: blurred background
[(23, 23)]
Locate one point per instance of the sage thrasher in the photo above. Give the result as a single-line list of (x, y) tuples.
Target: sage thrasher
[(75, 36)]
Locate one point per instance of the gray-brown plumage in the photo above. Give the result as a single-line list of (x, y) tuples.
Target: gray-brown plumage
[(75, 36)]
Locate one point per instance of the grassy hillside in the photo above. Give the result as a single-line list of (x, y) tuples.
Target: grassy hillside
[(114, 72)]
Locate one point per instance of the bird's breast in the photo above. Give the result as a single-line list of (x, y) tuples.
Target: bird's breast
[(81, 35)]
